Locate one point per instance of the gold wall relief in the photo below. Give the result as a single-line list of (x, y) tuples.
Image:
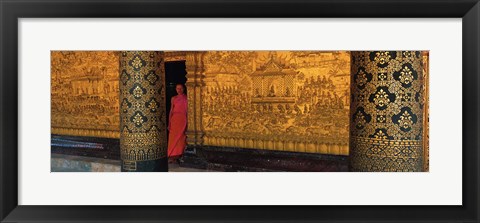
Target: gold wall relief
[(426, 121), (191, 64), (84, 93), (195, 74), (175, 56), (142, 106), (274, 100), (387, 111), (298, 101)]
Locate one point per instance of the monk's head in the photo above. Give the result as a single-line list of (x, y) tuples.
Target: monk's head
[(179, 88)]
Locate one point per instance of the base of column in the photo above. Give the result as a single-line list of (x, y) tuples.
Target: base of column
[(160, 165), (382, 155)]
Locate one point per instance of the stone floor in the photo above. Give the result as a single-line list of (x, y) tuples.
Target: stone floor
[(178, 168), (67, 163)]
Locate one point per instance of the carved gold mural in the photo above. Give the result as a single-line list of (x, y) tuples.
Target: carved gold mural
[(297, 101), (426, 120), (278, 100), (175, 56), (84, 93)]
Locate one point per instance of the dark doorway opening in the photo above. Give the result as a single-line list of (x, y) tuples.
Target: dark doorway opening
[(175, 73)]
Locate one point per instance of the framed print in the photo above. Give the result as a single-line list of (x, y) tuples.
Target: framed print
[(296, 111)]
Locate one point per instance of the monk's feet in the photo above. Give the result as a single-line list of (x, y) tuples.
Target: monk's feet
[(176, 160)]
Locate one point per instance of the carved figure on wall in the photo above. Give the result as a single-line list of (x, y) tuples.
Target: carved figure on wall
[(271, 93)]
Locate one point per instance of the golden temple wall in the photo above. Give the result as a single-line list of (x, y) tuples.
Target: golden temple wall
[(426, 114), (84, 93), (280, 100)]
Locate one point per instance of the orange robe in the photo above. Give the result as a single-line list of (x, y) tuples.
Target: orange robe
[(177, 126)]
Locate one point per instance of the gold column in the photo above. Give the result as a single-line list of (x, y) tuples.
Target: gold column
[(387, 110), (195, 74), (143, 143)]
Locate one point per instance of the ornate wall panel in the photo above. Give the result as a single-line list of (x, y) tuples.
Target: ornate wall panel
[(387, 111), (195, 74), (426, 136), (84, 93), (142, 110), (175, 56), (279, 100)]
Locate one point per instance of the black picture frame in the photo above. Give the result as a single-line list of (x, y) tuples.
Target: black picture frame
[(11, 11)]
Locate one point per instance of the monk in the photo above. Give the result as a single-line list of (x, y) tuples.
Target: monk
[(177, 125)]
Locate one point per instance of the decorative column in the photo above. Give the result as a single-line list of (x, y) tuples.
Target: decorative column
[(387, 110), (195, 74), (143, 142)]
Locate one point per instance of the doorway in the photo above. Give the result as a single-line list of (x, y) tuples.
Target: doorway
[(175, 73)]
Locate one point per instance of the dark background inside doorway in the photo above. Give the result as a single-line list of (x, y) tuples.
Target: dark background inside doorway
[(175, 73)]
